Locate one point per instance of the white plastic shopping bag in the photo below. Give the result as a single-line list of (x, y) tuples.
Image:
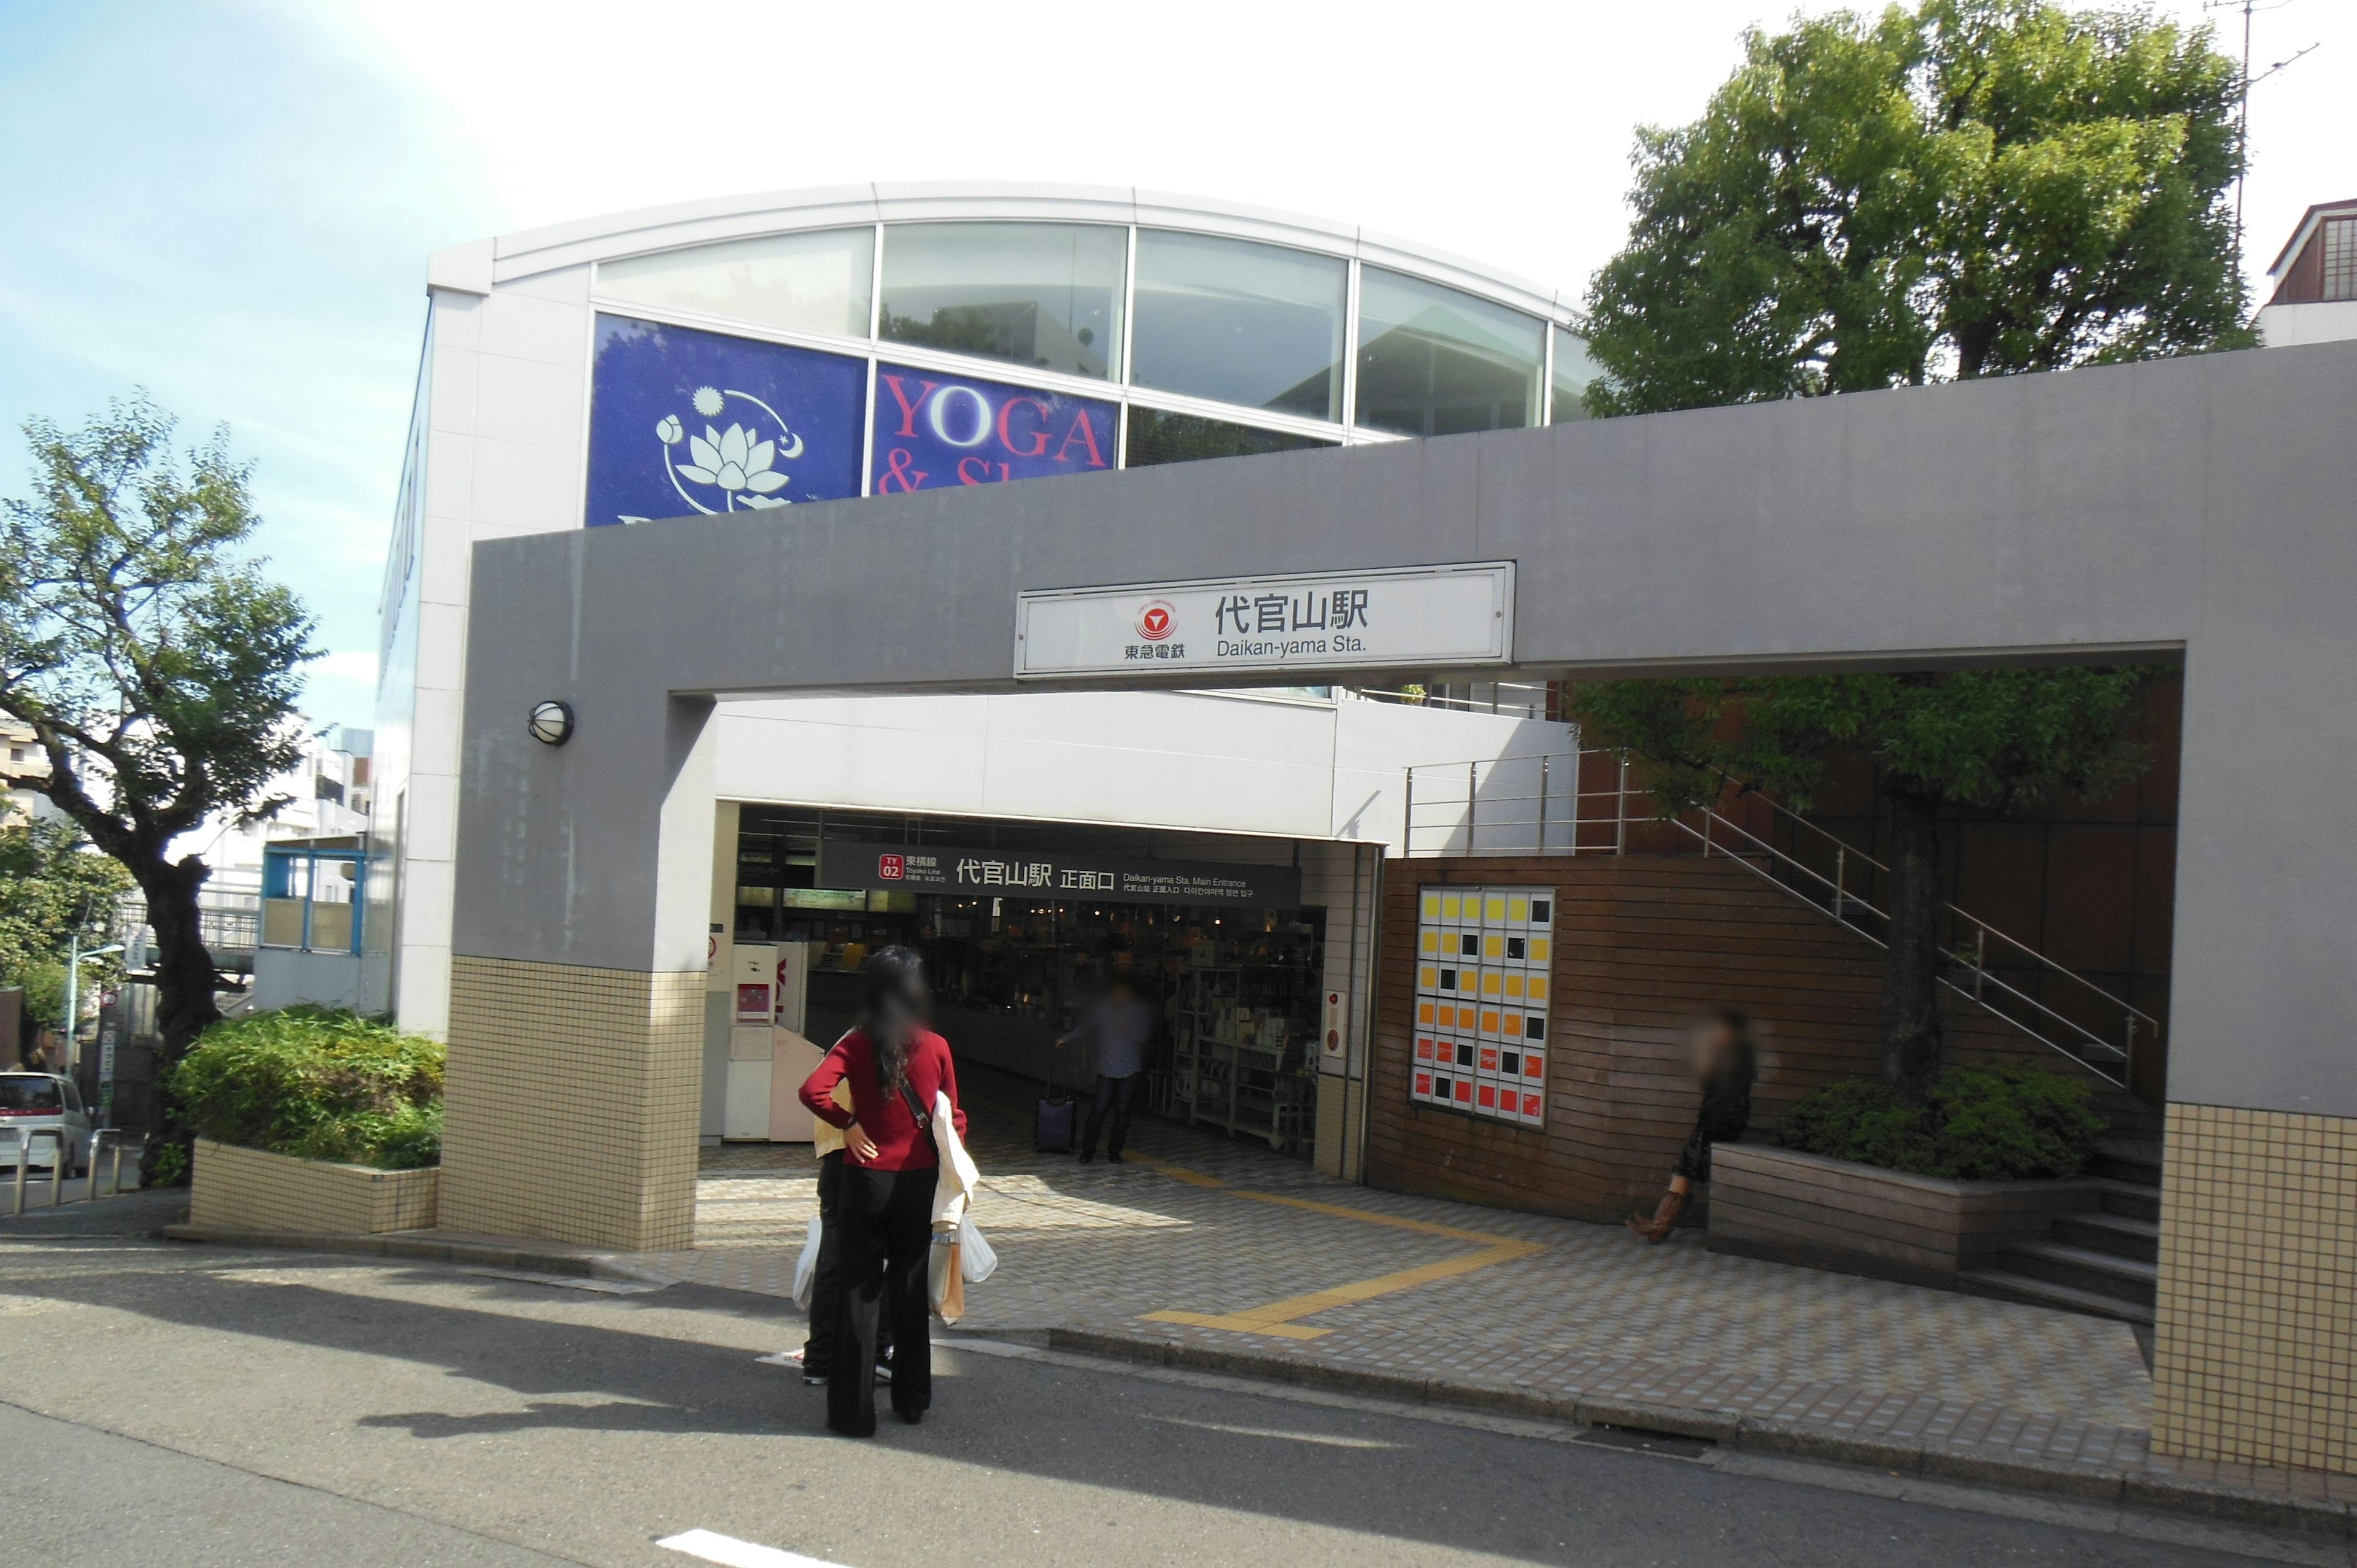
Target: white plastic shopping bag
[(806, 1270), (975, 1260)]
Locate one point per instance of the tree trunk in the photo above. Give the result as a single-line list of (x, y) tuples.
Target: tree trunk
[(184, 978), (1911, 984)]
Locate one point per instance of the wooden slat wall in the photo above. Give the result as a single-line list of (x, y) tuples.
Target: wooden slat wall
[(1644, 944)]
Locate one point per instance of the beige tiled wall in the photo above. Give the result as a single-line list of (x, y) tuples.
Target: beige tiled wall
[(572, 1103), (253, 1189), (2255, 1358)]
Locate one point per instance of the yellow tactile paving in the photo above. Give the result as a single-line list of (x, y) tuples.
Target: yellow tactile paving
[(1278, 1318)]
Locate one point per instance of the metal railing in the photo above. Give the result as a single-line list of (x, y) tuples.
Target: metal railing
[(1521, 698), (228, 924), (1537, 805)]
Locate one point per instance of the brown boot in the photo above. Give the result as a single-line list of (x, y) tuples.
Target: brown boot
[(1664, 1220)]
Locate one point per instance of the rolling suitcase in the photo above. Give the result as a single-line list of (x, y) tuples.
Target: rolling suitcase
[(1051, 1127)]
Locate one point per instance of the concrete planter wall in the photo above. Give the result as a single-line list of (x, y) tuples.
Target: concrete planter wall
[(1791, 1208), (251, 1189)]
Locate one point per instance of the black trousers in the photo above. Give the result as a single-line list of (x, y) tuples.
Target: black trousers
[(1716, 1124), (887, 1233), (1116, 1093), (826, 1289)]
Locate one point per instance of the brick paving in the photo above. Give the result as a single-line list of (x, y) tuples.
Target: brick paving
[(1588, 1314)]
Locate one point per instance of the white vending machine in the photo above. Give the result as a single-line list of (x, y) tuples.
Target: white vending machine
[(753, 983), (768, 1056)]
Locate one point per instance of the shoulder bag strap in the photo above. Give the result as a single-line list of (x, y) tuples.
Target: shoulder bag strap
[(909, 1098)]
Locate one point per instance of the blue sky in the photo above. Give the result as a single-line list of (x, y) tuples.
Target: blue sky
[(230, 203), (230, 209)]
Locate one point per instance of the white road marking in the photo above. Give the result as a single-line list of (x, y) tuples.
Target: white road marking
[(731, 1553), (1325, 1439)]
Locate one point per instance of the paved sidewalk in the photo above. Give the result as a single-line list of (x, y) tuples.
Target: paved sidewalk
[(1215, 1246)]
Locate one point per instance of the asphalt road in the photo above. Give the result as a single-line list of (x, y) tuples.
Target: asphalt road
[(193, 1404)]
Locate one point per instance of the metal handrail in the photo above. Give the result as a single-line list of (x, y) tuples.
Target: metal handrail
[(1477, 811), (1529, 697)]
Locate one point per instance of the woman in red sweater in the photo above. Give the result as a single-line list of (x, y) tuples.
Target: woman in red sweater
[(894, 1067)]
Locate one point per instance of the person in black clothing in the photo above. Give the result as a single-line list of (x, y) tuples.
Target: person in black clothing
[(899, 1074), (826, 1289), (1728, 1066)]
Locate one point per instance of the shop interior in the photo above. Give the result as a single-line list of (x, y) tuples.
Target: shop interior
[(1239, 990)]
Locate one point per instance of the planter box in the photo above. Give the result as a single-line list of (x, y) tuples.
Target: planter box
[(1791, 1208), (250, 1189)]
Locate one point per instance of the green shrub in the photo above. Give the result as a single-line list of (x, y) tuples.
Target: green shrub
[(317, 1084), (1977, 1124)]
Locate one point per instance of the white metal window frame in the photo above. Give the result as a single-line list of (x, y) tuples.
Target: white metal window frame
[(680, 229)]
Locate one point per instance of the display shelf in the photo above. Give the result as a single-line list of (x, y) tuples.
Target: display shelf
[(1221, 1078)]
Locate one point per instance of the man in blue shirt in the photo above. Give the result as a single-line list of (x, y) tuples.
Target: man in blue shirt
[(1120, 1024)]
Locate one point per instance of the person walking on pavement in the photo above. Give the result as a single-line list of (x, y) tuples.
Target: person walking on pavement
[(1120, 1024), (1728, 1065), (896, 1069), (826, 1288)]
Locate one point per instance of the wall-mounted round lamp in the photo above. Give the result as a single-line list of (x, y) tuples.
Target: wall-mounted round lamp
[(552, 723)]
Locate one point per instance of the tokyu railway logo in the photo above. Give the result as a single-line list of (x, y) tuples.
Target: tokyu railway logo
[(1157, 621)]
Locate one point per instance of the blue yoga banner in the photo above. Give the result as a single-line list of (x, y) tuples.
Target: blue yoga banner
[(684, 422), (933, 429)]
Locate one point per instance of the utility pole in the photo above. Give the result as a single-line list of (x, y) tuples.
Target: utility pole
[(2249, 8)]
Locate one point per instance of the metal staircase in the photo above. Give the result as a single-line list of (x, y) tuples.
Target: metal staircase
[(1580, 803)]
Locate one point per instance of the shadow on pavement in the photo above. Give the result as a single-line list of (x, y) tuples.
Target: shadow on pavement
[(1196, 1446)]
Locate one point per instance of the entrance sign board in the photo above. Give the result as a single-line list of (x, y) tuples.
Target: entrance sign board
[(1302, 623), (1049, 874)]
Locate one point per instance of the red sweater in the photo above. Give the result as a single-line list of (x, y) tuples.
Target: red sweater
[(885, 1117)]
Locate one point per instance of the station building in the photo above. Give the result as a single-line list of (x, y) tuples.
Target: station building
[(718, 651), (743, 356)]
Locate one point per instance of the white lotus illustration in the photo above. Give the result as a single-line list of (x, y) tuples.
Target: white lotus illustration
[(732, 461), (737, 462)]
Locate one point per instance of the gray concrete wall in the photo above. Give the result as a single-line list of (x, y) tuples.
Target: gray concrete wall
[(2203, 503)]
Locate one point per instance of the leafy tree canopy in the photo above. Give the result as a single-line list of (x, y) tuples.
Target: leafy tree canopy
[(1986, 739), (156, 665), (51, 887), (1971, 188)]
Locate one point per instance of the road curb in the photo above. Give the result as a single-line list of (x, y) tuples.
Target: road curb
[(426, 1247), (1821, 1441)]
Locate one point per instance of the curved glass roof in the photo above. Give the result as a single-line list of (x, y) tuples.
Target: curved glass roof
[(1232, 325)]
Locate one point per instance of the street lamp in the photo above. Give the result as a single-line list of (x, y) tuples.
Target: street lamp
[(73, 990)]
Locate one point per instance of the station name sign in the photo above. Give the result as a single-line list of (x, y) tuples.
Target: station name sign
[(1054, 875), (1414, 617)]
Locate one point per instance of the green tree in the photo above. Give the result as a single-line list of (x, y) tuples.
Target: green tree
[(52, 889), (1971, 188), (157, 668), (1981, 740)]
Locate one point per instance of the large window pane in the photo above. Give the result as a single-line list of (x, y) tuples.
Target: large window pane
[(1433, 361), (932, 430), (1573, 371), (1257, 325), (1042, 295), (1155, 436), (806, 283)]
